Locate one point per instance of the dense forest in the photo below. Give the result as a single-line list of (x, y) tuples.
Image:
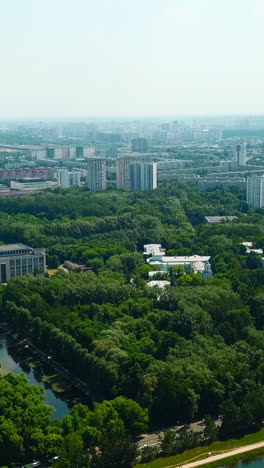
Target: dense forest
[(193, 349)]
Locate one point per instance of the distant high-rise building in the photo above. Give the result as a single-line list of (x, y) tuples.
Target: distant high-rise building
[(135, 176), (74, 178), (96, 174), (239, 154), (62, 178), (84, 151), (140, 145), (143, 175), (255, 191), (122, 171), (68, 179)]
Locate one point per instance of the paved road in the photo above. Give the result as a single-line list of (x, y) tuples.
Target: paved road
[(222, 456), (153, 437)]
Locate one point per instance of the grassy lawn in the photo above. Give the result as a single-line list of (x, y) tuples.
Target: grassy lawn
[(199, 453)]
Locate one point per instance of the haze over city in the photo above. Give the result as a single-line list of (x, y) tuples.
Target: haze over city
[(135, 57)]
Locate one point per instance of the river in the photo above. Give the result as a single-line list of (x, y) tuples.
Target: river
[(58, 392), (249, 463)]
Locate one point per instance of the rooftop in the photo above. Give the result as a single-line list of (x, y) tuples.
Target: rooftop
[(219, 219), (160, 284), (191, 259), (153, 249), (156, 272), (5, 247)]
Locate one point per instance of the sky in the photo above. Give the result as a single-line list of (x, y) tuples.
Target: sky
[(68, 58)]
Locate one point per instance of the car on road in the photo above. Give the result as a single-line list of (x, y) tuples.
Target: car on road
[(34, 464), (53, 459)]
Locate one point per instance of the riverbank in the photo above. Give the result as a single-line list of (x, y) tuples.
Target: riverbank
[(59, 393), (199, 455), (245, 456)]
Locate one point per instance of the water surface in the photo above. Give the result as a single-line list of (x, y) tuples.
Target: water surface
[(257, 462), (12, 359)]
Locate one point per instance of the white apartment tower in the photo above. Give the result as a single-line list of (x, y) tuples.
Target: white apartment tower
[(68, 179), (239, 154), (63, 178), (96, 174), (255, 191), (74, 178)]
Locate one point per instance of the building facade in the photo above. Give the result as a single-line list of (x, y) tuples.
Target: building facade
[(96, 174), (11, 174), (123, 172), (255, 191), (143, 176), (140, 145), (239, 154), (19, 260), (29, 183), (60, 152), (68, 179), (74, 178), (193, 264)]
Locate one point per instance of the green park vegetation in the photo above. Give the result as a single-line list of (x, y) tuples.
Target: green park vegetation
[(27, 430), (191, 350)]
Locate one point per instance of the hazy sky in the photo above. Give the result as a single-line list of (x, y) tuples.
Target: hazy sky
[(131, 57)]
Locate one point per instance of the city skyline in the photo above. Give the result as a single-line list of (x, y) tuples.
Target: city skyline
[(117, 59)]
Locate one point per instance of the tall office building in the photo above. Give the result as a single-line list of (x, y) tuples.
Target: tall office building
[(255, 191), (19, 260), (239, 154), (96, 174), (140, 145), (143, 175)]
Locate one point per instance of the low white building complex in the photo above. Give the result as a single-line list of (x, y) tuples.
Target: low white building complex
[(32, 183), (192, 264), (19, 260), (158, 284), (219, 219), (153, 249), (250, 248)]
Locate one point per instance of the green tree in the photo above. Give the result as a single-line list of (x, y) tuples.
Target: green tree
[(116, 448)]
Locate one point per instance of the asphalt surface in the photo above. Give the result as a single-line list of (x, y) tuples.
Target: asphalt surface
[(152, 438)]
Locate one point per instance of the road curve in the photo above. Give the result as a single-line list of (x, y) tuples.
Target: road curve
[(222, 456)]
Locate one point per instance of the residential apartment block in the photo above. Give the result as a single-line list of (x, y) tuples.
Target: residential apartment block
[(143, 175), (67, 179), (239, 154), (255, 191), (140, 145), (134, 173), (96, 174)]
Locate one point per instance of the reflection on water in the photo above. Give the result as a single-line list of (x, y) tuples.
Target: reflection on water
[(58, 393)]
